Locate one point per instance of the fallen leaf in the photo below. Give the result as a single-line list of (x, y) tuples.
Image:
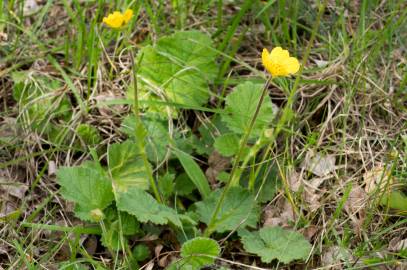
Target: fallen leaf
[(11, 192), (164, 261), (396, 244), (312, 198), (8, 129), (333, 257), (150, 266), (294, 180), (108, 110), (355, 207), (30, 7), (149, 238), (401, 266), (317, 181), (280, 214), (310, 231), (52, 168), (321, 63), (9, 211), (157, 250), (217, 163), (3, 37), (377, 179), (319, 164), (17, 190), (91, 244)]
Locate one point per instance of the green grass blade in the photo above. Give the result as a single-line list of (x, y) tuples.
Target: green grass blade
[(194, 172)]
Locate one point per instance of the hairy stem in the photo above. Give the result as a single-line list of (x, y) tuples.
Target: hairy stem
[(140, 135), (235, 175)]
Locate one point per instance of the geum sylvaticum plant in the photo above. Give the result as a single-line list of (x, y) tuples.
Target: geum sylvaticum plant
[(176, 72)]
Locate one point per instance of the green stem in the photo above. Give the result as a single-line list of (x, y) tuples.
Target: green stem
[(114, 53), (140, 135), (287, 112), (233, 180)]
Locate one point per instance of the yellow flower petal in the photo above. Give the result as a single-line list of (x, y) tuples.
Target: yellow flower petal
[(265, 56), (279, 62), (114, 20), (278, 54), (118, 19), (127, 15), (292, 65)]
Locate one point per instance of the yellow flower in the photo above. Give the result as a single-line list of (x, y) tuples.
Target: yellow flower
[(127, 15), (279, 62), (118, 19)]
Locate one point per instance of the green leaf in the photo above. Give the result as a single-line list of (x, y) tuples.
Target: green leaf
[(141, 252), (183, 142), (223, 177), (128, 225), (395, 200), (89, 135), (116, 230), (199, 252), (145, 208), (227, 144), (272, 182), (241, 105), (157, 138), (38, 100), (88, 186), (194, 172), (276, 243), (126, 166), (113, 239), (166, 184), (181, 65), (239, 205), (184, 185), (208, 130)]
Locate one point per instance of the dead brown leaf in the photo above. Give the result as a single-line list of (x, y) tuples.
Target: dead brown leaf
[(333, 257), (52, 168), (312, 198), (8, 128), (30, 7), (310, 231), (217, 163), (157, 250), (108, 110), (377, 179), (149, 238), (355, 207), (319, 164), (294, 180), (16, 190), (280, 214), (150, 266), (396, 244), (91, 244), (165, 261), (3, 37)]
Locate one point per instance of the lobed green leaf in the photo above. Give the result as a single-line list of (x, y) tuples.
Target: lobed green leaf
[(276, 243)]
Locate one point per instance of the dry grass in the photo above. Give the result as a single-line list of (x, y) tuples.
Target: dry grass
[(350, 107)]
